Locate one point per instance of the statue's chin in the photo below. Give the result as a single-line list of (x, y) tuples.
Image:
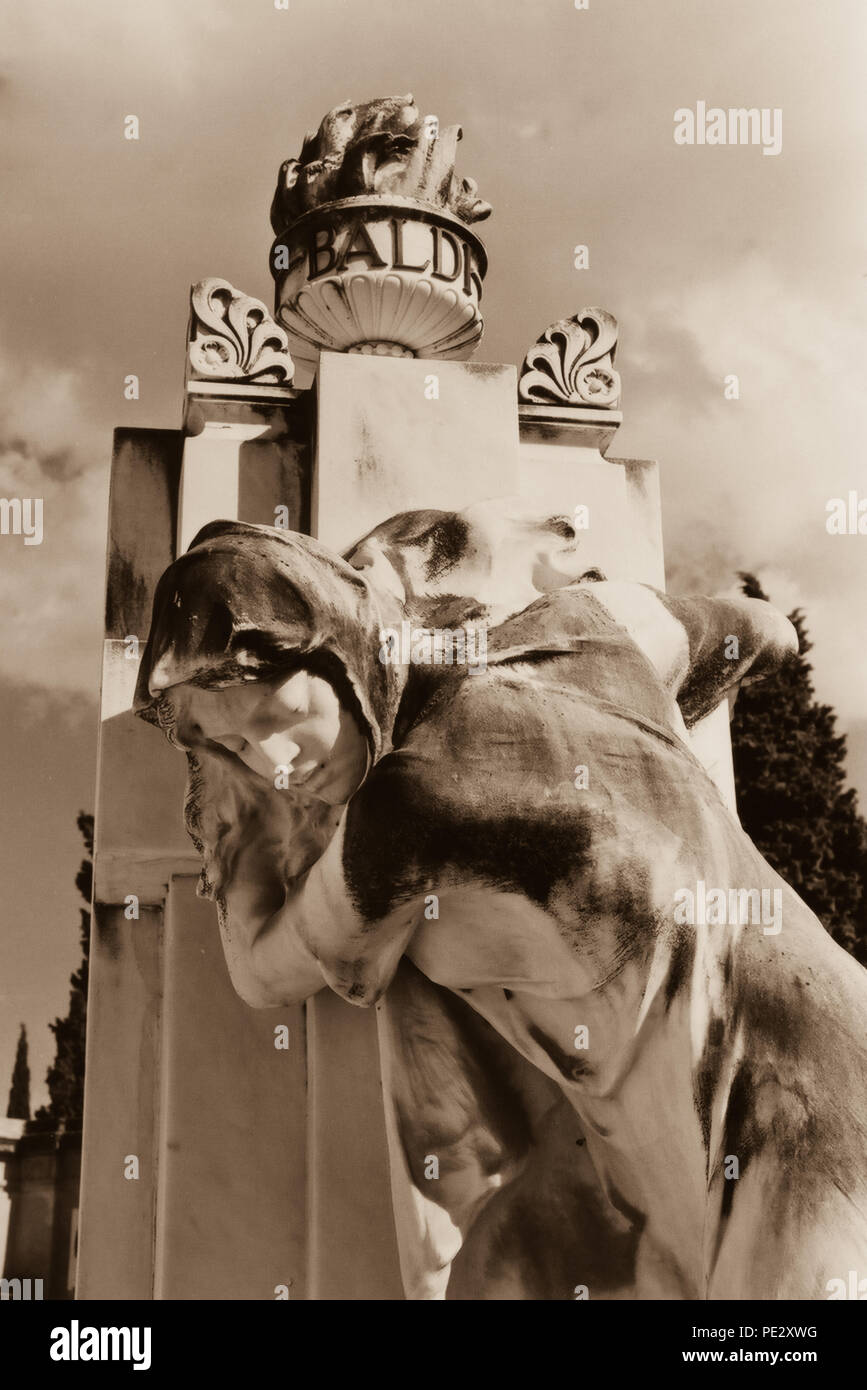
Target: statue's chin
[(337, 779), (330, 784), (333, 779)]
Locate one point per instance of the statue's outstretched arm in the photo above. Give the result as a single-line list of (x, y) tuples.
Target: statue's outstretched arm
[(701, 647), (275, 865)]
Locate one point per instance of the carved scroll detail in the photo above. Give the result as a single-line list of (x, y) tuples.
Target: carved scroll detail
[(572, 363), (234, 338)]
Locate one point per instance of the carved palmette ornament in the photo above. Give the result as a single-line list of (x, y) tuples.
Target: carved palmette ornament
[(573, 363), (234, 338)]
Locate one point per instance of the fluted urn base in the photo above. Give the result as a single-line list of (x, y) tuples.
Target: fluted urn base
[(382, 350), (385, 276)]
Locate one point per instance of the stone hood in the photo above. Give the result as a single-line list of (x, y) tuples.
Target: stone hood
[(246, 602)]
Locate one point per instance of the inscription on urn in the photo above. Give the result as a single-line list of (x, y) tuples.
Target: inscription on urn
[(373, 251)]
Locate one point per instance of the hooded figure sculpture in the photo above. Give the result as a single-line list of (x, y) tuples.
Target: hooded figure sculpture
[(621, 1058)]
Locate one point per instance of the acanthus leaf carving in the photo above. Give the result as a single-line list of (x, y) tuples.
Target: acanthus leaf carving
[(572, 363), (234, 338)]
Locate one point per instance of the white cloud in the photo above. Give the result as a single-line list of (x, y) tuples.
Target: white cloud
[(745, 482), (51, 595)]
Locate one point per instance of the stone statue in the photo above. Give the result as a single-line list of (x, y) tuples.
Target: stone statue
[(621, 1058)]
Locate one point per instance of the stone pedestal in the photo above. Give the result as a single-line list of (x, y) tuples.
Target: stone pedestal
[(396, 435), (181, 1076)]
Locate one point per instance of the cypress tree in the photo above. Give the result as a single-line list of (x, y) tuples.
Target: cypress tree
[(19, 1095), (793, 801), (65, 1078)]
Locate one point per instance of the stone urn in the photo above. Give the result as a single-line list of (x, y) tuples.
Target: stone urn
[(374, 251)]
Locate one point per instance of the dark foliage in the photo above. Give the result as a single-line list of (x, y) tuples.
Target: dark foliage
[(793, 801), (19, 1095), (65, 1076)]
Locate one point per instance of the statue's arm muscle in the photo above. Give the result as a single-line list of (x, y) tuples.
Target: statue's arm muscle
[(268, 961)]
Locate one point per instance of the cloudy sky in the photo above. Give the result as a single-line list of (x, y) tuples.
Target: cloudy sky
[(715, 260)]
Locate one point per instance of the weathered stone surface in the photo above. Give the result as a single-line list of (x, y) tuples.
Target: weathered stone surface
[(393, 436), (166, 1032), (232, 337), (232, 1176), (383, 147), (121, 1105)]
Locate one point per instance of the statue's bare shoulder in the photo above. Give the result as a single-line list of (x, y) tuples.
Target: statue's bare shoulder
[(700, 646)]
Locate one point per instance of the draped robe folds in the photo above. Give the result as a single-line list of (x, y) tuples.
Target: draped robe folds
[(568, 1069)]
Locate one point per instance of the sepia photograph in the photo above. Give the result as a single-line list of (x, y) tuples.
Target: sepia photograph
[(433, 547)]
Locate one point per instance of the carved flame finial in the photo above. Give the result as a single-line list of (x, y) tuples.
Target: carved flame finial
[(572, 363), (380, 148), (234, 338)]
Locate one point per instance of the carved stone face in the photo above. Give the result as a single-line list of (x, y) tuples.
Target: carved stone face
[(290, 727)]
